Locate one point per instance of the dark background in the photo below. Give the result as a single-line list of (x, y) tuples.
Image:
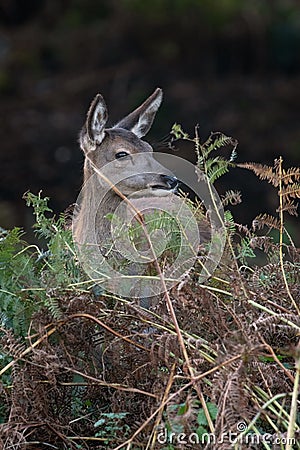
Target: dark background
[(227, 65)]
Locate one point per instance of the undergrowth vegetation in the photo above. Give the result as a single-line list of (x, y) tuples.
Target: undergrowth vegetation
[(212, 365)]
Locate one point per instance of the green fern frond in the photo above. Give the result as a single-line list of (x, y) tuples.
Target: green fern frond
[(229, 222), (27, 272), (216, 141), (40, 209), (244, 250), (217, 170), (178, 132), (215, 167), (210, 163), (52, 304)]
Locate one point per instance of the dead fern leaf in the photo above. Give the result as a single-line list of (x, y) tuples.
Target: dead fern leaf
[(263, 171), (265, 220), (262, 242), (232, 198), (293, 190), (289, 207), (290, 175)]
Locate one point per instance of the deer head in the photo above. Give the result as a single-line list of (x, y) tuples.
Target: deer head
[(123, 149)]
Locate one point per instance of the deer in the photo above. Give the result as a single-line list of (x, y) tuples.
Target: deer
[(118, 164)]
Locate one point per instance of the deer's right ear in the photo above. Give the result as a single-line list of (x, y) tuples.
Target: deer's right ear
[(141, 119), (96, 120)]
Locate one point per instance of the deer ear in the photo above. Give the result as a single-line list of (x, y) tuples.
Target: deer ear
[(141, 119), (96, 120)]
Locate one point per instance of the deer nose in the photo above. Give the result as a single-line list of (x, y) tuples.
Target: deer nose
[(171, 182)]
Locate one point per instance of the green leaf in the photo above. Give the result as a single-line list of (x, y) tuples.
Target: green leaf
[(178, 132), (213, 411), (201, 431)]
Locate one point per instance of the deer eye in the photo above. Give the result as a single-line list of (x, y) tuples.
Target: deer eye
[(121, 155)]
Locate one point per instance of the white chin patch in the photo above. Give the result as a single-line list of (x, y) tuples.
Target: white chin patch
[(150, 192), (161, 192)]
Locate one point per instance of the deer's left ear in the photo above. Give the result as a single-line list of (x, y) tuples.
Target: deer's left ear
[(96, 120), (141, 119)]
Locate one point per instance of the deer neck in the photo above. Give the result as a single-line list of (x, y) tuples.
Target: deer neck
[(96, 205)]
